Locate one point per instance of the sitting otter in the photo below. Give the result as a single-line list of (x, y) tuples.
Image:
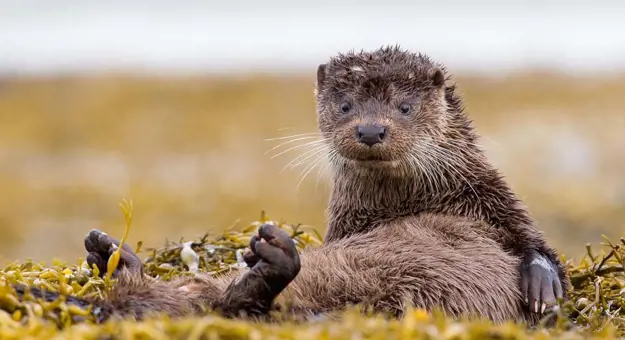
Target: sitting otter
[(417, 216), (401, 145)]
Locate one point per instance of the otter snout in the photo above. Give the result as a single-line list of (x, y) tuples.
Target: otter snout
[(370, 134)]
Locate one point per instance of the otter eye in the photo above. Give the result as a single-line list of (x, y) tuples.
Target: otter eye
[(345, 107), (405, 108)]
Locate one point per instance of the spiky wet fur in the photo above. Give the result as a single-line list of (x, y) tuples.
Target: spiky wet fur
[(427, 222), (437, 165), (429, 261)]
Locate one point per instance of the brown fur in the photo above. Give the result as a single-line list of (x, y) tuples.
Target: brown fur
[(430, 261), (421, 218), (438, 167)]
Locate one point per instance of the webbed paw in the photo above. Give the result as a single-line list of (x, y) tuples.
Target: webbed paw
[(273, 253), (540, 283), (100, 246)]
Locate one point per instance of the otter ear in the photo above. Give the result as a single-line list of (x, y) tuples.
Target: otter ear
[(321, 75), (437, 77)]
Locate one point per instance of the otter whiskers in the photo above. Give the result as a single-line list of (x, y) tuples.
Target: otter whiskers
[(313, 143), (324, 169), (421, 171), (310, 167), (290, 141), (301, 159), (449, 160), (295, 135), (316, 150)]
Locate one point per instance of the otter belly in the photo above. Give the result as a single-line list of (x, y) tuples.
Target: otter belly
[(464, 271), (430, 261)]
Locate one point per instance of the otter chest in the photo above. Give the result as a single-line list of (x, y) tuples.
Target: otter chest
[(345, 222)]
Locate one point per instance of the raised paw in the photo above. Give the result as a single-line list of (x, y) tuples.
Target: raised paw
[(274, 263), (100, 246), (250, 258), (540, 284), (273, 252)]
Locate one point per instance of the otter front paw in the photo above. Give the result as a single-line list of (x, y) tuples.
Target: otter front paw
[(100, 246), (274, 263), (250, 258), (273, 254), (540, 284)]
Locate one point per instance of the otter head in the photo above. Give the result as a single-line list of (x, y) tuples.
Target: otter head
[(385, 108)]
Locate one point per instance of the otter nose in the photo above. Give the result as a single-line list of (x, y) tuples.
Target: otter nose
[(370, 134)]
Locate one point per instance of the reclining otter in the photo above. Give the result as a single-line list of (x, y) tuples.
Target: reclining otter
[(417, 216)]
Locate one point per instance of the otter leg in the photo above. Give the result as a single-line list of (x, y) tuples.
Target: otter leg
[(275, 263), (540, 283), (135, 295)]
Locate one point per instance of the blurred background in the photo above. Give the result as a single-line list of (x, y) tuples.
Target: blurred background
[(170, 104)]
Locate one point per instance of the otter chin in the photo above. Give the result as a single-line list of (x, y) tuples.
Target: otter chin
[(369, 157), (376, 164), (379, 158)]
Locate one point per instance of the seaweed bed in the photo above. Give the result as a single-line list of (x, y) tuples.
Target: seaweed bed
[(594, 310)]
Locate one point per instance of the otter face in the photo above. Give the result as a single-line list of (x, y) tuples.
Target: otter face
[(380, 108)]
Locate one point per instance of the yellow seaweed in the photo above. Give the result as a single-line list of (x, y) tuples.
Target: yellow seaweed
[(594, 311)]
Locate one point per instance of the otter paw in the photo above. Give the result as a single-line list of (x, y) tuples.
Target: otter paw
[(540, 284), (100, 246), (250, 258), (273, 252)]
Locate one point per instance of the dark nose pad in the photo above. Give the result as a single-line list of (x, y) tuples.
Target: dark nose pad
[(370, 134)]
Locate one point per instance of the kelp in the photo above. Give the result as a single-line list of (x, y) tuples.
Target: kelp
[(595, 309)]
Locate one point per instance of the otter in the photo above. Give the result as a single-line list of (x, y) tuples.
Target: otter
[(417, 216), (402, 145)]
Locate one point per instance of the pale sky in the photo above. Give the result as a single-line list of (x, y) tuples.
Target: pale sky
[(221, 36)]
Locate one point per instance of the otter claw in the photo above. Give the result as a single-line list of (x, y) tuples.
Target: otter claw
[(540, 284)]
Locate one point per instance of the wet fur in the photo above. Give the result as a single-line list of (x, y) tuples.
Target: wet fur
[(368, 196), (429, 261), (425, 234)]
